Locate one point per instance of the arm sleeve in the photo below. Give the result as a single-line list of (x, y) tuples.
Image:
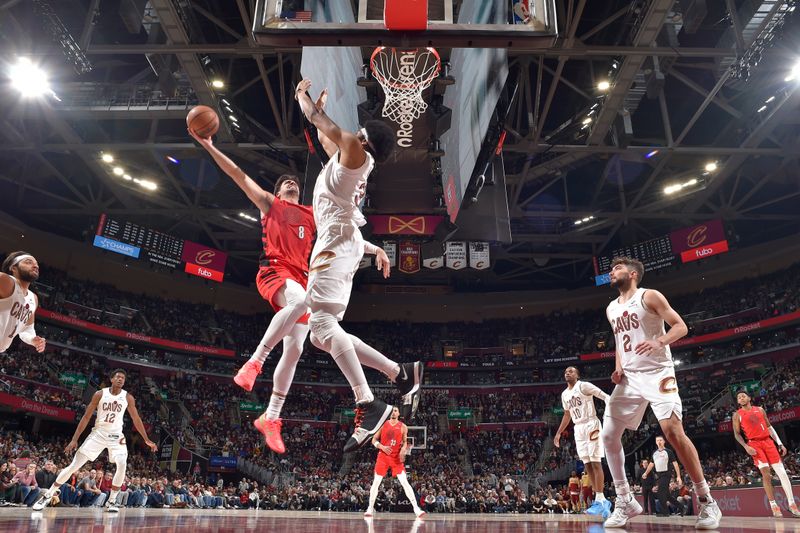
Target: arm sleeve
[(774, 435), (369, 248), (593, 390)]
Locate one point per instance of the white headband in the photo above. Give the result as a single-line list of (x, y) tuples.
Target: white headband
[(19, 259), (366, 138)]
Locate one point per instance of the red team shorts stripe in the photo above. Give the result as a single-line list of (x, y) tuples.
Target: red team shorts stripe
[(384, 463), (766, 452), (269, 281)]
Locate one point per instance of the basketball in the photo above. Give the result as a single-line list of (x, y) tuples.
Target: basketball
[(203, 121)]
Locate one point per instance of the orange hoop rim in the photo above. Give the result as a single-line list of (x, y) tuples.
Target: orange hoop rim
[(421, 83)]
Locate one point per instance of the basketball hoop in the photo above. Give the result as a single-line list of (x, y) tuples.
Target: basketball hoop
[(404, 75)]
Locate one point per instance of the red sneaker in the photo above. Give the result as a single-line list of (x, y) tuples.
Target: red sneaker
[(271, 429), (246, 377)]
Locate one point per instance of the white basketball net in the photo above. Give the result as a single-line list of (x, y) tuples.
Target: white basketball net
[(404, 75)]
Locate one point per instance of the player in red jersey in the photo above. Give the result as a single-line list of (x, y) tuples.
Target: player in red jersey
[(760, 434), (288, 231), (391, 441)]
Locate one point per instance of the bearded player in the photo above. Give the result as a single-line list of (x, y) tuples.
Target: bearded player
[(761, 446), (578, 403), (338, 193), (110, 405), (391, 442), (287, 237), (17, 302), (645, 374)]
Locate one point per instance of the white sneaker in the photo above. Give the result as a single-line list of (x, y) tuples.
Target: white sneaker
[(623, 511), (112, 508), (709, 515), (420, 513), (368, 513), (44, 500)]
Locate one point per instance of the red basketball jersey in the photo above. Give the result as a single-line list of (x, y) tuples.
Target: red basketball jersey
[(392, 436), (753, 423), (287, 235)]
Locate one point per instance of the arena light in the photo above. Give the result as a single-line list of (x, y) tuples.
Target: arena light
[(768, 100), (711, 166), (794, 74), (172, 160), (218, 84), (651, 154), (127, 177), (587, 121), (603, 86), (248, 217), (118, 171), (107, 158), (677, 187), (233, 118), (29, 79), (761, 109), (583, 220)]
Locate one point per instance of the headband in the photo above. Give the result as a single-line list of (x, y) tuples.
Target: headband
[(366, 138), (20, 258)]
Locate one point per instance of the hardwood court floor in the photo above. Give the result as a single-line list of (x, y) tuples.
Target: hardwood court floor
[(61, 520)]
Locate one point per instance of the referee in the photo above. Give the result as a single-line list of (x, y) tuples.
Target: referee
[(662, 458)]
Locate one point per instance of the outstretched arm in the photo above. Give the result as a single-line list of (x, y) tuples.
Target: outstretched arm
[(593, 390), (261, 198), (381, 259), (87, 416), (352, 153), (137, 423), (328, 145), (28, 333)]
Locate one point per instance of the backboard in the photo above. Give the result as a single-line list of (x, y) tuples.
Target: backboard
[(297, 23)]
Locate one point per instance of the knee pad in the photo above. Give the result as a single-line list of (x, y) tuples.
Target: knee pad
[(322, 326)]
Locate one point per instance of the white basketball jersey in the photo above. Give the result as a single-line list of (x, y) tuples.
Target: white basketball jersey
[(111, 410), (633, 323), (339, 191), (580, 405), (15, 312)]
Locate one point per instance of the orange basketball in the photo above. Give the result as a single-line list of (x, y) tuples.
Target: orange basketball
[(203, 121)]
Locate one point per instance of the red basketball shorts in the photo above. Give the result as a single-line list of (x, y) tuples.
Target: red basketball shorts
[(766, 452), (271, 279), (386, 463)]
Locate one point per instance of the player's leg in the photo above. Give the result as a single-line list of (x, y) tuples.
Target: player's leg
[(402, 478), (63, 476), (288, 297), (625, 409), (406, 376), (373, 494), (119, 455), (708, 515), (786, 484)]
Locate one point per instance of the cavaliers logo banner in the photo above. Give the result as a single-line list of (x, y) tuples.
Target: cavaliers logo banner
[(434, 262), (409, 257), (404, 224), (456, 255), (204, 256), (390, 247), (704, 234), (479, 255)]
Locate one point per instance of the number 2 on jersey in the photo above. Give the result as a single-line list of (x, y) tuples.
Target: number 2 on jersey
[(110, 418), (626, 343)]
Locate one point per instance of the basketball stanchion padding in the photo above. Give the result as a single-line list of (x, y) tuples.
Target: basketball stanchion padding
[(405, 15)]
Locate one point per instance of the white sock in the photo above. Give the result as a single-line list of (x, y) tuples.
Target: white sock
[(372, 358), (275, 405), (785, 483), (701, 489), (403, 479), (599, 497), (772, 503), (373, 491), (112, 497)]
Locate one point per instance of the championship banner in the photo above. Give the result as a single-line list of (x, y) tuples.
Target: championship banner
[(366, 261), (18, 403), (434, 262), (404, 224), (479, 255), (390, 247), (456, 255), (409, 257), (130, 336)]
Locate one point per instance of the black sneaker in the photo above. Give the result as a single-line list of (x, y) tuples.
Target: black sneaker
[(409, 382), (369, 419)]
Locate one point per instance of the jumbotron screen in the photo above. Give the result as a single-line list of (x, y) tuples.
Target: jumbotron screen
[(688, 244), (137, 241)]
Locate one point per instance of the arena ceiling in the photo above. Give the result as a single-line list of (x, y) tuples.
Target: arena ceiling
[(678, 72)]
